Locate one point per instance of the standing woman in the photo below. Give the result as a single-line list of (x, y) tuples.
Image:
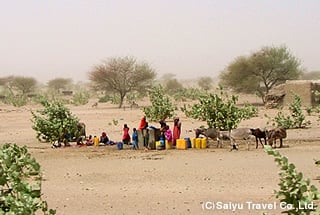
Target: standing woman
[(126, 135), (176, 130), (143, 123)]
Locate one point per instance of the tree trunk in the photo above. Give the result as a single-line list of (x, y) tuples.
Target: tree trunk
[(121, 100)]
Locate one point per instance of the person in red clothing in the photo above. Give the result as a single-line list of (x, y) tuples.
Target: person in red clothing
[(126, 135), (143, 123), (176, 130), (143, 128)]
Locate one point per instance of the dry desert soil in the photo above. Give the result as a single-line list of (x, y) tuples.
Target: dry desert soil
[(104, 180)]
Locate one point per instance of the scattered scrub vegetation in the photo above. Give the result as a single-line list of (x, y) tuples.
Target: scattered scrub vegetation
[(296, 119), (81, 98)]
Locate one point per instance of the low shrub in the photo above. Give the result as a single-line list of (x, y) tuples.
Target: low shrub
[(294, 189), (20, 182)]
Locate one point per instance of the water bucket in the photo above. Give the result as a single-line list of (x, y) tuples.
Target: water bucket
[(203, 143), (198, 143), (120, 145)]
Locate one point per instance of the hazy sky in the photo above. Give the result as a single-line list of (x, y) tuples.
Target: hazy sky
[(46, 39)]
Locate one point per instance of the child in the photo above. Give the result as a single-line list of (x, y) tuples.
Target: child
[(135, 139), (89, 141), (168, 134)]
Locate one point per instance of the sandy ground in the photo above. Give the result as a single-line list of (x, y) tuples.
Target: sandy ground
[(103, 180)]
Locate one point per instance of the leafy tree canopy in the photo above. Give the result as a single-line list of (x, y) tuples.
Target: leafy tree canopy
[(205, 83), (59, 83), (261, 71), (122, 75), (23, 84), (173, 86)]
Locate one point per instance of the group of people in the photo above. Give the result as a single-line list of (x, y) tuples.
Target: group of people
[(90, 141), (134, 138), (165, 133)]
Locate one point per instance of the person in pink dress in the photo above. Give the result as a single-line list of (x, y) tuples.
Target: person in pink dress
[(176, 130), (168, 134)]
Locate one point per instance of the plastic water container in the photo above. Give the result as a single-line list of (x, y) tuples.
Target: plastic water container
[(198, 143), (159, 145), (120, 145), (181, 144), (203, 143), (96, 141), (193, 142), (168, 145), (188, 142)]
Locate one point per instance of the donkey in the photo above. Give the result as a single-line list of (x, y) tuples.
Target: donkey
[(274, 134), (236, 134), (259, 134)]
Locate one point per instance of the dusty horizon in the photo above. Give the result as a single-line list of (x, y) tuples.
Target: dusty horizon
[(188, 38)]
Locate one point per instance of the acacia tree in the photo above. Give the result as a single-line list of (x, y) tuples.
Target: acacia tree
[(173, 86), (261, 71), (59, 83), (122, 75), (205, 83), (23, 84)]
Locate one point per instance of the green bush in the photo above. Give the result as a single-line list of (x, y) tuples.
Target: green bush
[(219, 111), (81, 98), (249, 111), (296, 119), (188, 94), (54, 122), (294, 189), (17, 101), (20, 182), (161, 107)]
